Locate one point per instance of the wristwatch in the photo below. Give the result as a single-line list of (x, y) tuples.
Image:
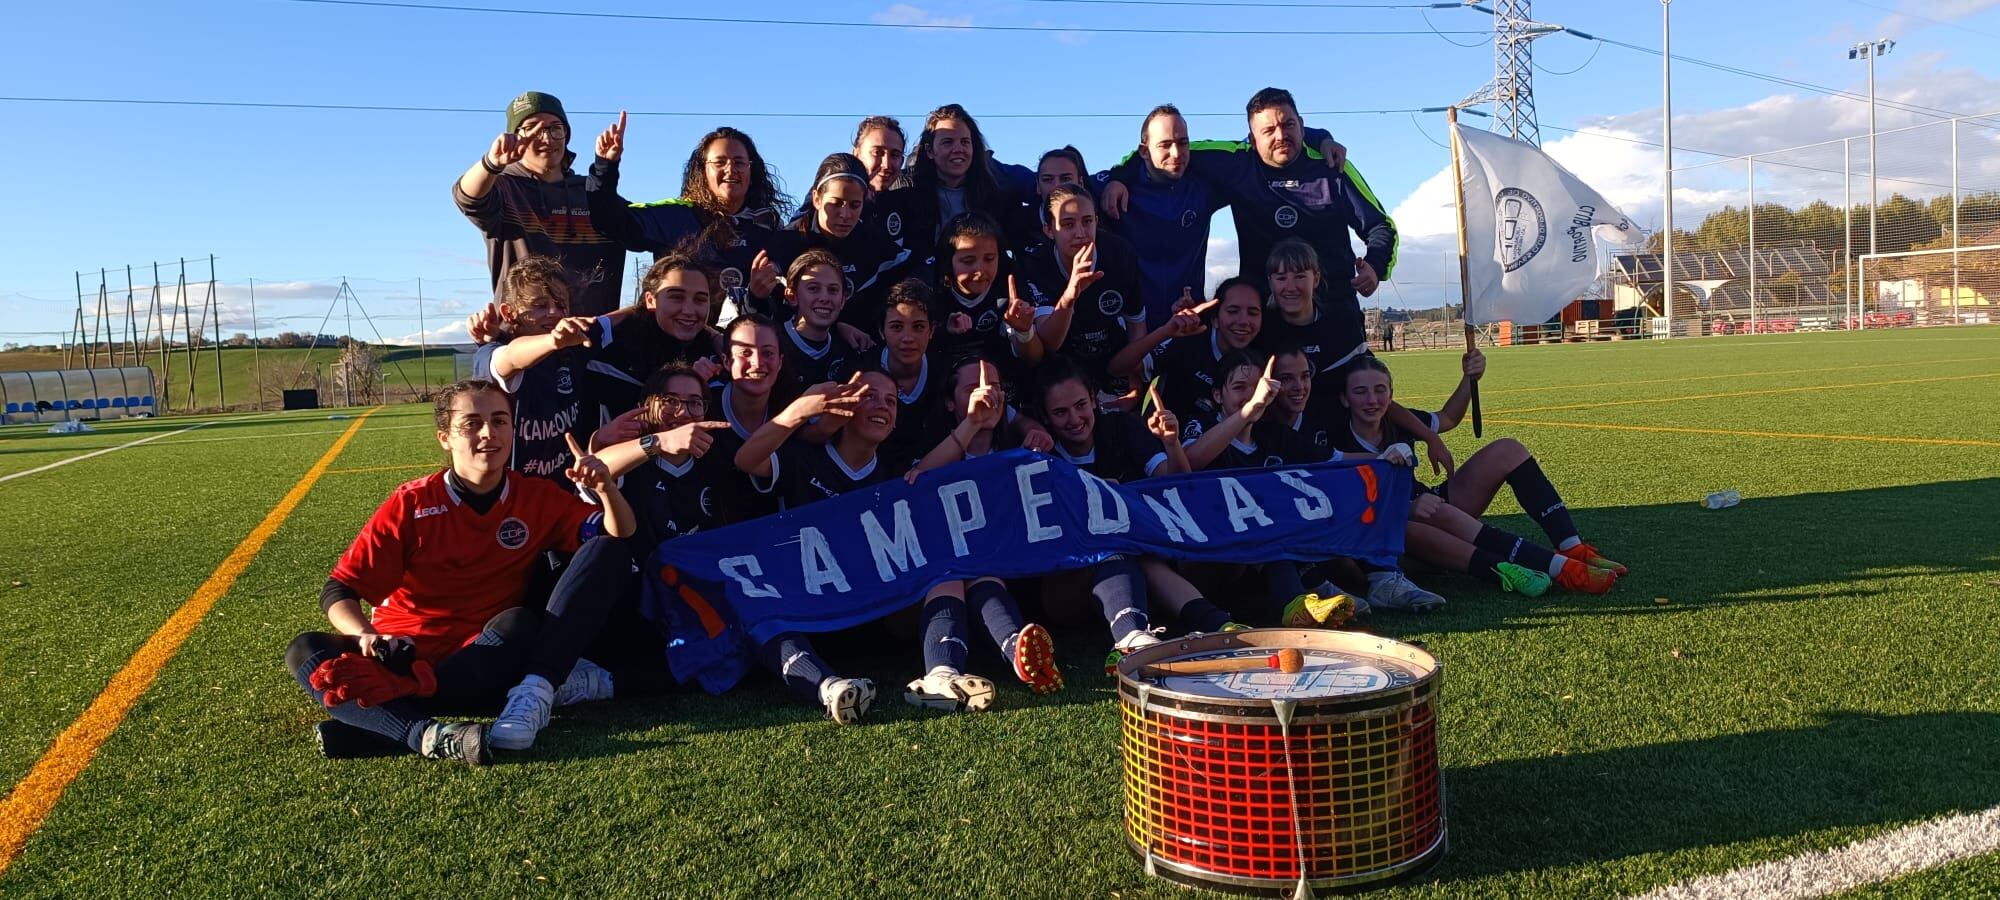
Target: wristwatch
[(650, 445)]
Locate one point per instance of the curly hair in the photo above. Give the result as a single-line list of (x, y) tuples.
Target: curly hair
[(535, 271), (766, 191)]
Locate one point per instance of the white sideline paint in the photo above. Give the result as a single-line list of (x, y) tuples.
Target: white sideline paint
[(1925, 845), (63, 462)]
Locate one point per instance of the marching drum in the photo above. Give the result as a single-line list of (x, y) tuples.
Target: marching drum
[(1310, 765)]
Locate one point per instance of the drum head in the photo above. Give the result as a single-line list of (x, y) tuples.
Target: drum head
[(1337, 664)]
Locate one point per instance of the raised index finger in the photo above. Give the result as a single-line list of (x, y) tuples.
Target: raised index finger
[(1270, 362), (621, 122), (1203, 306), (575, 449)]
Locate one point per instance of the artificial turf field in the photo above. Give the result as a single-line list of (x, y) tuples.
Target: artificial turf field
[(1811, 668)]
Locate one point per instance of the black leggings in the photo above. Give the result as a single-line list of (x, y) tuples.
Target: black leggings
[(591, 612)]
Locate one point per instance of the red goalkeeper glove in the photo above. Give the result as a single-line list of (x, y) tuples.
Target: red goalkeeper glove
[(366, 681)]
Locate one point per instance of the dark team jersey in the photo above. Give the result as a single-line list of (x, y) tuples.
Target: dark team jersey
[(1185, 368), (1122, 450), (1328, 341), (1317, 424), (812, 362), (987, 337), (550, 405), (914, 214), (662, 226), (1268, 445), (803, 472), (1345, 440), (921, 421), (635, 349), (742, 500), (437, 569), (672, 500), (1097, 323), (1167, 220), (868, 254)]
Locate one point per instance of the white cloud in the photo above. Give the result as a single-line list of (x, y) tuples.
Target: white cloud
[(1931, 11), (905, 14), (1604, 154)]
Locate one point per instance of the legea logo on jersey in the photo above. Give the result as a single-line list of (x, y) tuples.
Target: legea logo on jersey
[(425, 512), (1111, 303), (1187, 218), (563, 384), (895, 224), (1285, 217), (1523, 227), (513, 533)]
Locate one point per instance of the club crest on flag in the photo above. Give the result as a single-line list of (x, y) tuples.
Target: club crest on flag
[(1523, 228)]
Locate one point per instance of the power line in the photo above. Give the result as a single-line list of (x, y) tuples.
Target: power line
[(831, 23), (1935, 21), (1212, 4), (1751, 73), (715, 114)]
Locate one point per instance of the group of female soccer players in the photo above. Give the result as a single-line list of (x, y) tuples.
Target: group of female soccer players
[(907, 318)]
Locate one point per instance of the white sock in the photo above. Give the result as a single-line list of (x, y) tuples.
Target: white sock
[(1556, 564), (541, 684), (1569, 542)]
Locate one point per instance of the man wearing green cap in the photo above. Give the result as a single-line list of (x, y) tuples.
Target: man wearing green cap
[(527, 202)]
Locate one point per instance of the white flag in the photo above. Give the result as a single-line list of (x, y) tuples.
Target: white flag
[(1530, 229)]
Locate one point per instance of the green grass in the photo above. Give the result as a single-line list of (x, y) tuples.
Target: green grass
[(253, 377), (1810, 668)]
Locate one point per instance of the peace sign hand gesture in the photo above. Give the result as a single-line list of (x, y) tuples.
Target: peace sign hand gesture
[(611, 144), (507, 149)]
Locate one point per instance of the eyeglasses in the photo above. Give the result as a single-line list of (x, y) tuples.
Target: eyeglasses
[(553, 129), (691, 405)]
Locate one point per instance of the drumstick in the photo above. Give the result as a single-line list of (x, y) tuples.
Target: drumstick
[(1288, 661)]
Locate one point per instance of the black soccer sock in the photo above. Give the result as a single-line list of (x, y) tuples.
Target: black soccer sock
[(998, 611), (791, 656), (944, 632), (1485, 566), (1536, 495), (1515, 549), (1121, 588)]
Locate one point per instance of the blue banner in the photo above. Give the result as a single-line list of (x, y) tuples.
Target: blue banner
[(855, 558)]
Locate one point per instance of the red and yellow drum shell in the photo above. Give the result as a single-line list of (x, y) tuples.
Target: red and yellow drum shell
[(1257, 780)]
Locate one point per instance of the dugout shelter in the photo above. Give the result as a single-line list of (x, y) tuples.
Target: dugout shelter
[(67, 394)]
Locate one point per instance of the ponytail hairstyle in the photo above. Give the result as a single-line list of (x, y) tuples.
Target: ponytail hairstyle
[(834, 167), (680, 258), (1065, 192)]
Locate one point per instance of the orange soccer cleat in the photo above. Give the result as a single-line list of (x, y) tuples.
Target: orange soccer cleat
[(1588, 579), (1588, 555)]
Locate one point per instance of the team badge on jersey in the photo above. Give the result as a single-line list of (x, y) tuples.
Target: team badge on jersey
[(1111, 303), (732, 279), (894, 224), (1187, 218), (513, 533), (707, 501), (987, 320), (564, 385), (1192, 429), (1285, 217)]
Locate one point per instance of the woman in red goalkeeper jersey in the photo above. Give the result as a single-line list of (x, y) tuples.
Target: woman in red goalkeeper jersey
[(431, 604)]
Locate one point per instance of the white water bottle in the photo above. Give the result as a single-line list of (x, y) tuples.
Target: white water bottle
[(1722, 499)]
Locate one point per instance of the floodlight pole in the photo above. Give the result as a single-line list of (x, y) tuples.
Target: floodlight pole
[(1667, 128), (1868, 50)]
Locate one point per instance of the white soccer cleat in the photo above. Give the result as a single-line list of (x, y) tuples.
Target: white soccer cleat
[(1126, 645), (525, 715), (586, 683), (944, 688), (846, 699), (1395, 590)]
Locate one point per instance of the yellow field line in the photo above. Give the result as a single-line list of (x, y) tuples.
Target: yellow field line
[(1756, 393), (402, 468), (22, 813), (1620, 383), (1791, 435)]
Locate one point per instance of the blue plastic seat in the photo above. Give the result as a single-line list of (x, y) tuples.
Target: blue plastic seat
[(118, 403), (133, 401), (13, 408), (146, 400)]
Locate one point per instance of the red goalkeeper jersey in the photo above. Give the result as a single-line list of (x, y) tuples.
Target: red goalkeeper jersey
[(437, 570)]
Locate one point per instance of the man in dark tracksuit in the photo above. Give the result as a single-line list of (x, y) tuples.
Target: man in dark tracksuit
[(524, 198), (1165, 216)]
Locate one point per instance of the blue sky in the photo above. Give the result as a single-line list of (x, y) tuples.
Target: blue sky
[(299, 198)]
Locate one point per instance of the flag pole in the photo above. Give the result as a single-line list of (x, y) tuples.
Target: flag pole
[(1464, 274)]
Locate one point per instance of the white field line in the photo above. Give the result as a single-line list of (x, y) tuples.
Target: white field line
[(1925, 845), (63, 462)]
